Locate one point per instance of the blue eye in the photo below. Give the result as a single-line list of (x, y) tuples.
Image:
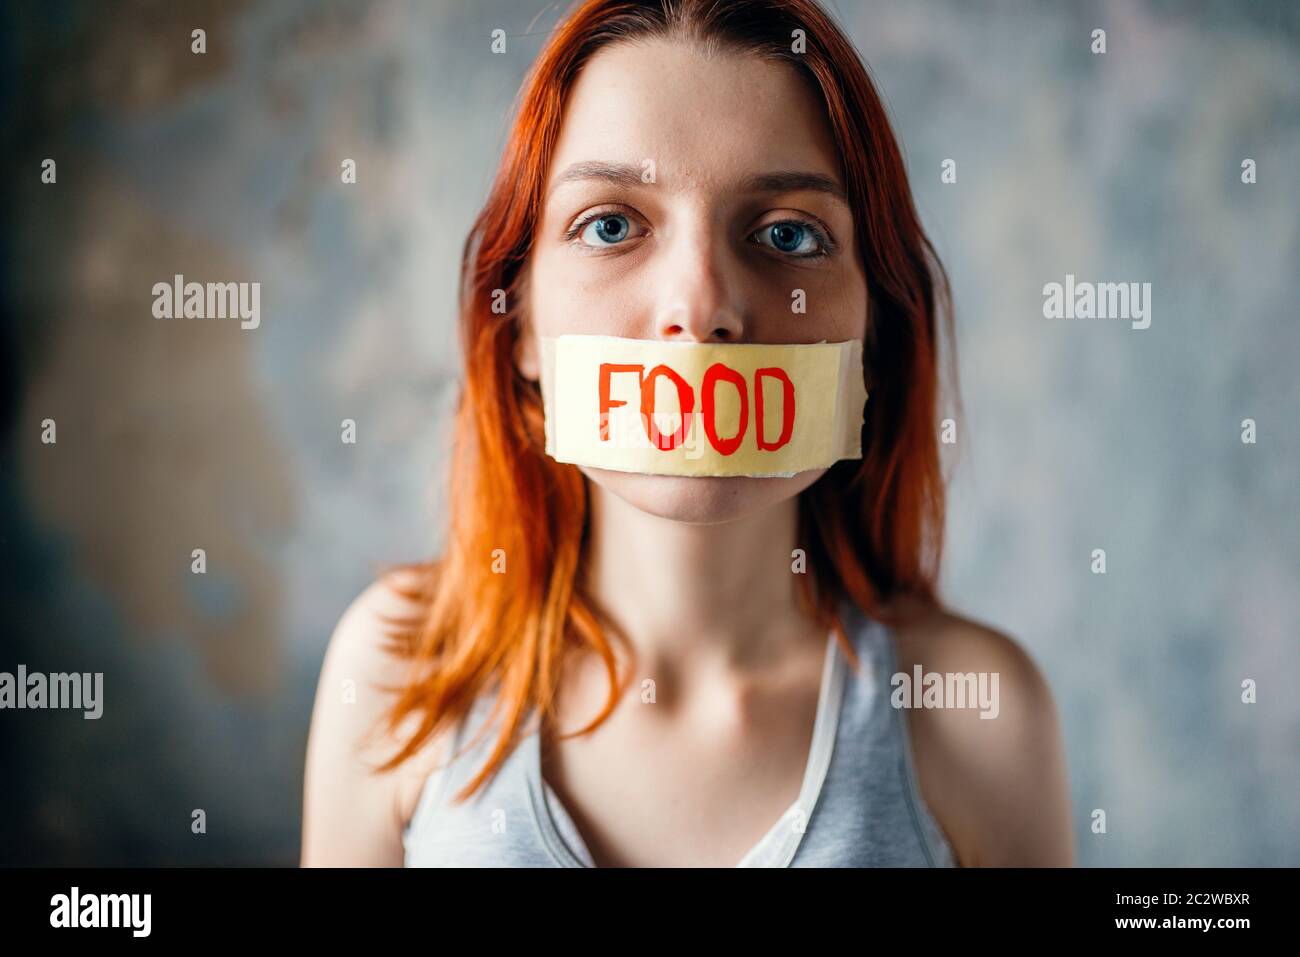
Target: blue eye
[(606, 229), (797, 239)]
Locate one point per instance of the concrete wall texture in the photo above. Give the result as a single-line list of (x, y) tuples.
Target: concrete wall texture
[(1117, 167)]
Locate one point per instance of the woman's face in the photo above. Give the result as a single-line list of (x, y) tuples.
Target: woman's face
[(744, 209)]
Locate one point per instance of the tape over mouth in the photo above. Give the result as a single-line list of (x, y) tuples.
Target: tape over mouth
[(756, 409)]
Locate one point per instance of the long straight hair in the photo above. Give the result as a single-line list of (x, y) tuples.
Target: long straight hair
[(871, 528)]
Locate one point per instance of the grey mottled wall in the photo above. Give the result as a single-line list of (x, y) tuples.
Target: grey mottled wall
[(1077, 435)]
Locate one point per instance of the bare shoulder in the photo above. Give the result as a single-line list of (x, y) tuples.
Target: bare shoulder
[(361, 631), (352, 813), (361, 652), (992, 770)]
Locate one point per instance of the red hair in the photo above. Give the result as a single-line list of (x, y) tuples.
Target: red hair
[(872, 529)]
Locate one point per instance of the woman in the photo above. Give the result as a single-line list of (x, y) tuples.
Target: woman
[(608, 668)]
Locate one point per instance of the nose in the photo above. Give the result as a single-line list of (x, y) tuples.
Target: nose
[(700, 291)]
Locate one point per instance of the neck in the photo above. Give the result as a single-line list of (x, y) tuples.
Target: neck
[(691, 594)]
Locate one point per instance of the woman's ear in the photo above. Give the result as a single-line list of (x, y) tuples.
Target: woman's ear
[(525, 350), (525, 353)]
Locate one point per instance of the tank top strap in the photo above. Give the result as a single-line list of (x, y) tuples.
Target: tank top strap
[(465, 757), (874, 754)]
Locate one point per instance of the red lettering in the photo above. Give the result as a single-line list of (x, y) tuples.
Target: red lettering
[(711, 376), (718, 372), (787, 407), (685, 399), (606, 403)]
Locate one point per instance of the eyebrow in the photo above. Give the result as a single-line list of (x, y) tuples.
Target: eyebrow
[(629, 176)]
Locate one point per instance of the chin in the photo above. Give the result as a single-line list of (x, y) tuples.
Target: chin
[(700, 500)]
